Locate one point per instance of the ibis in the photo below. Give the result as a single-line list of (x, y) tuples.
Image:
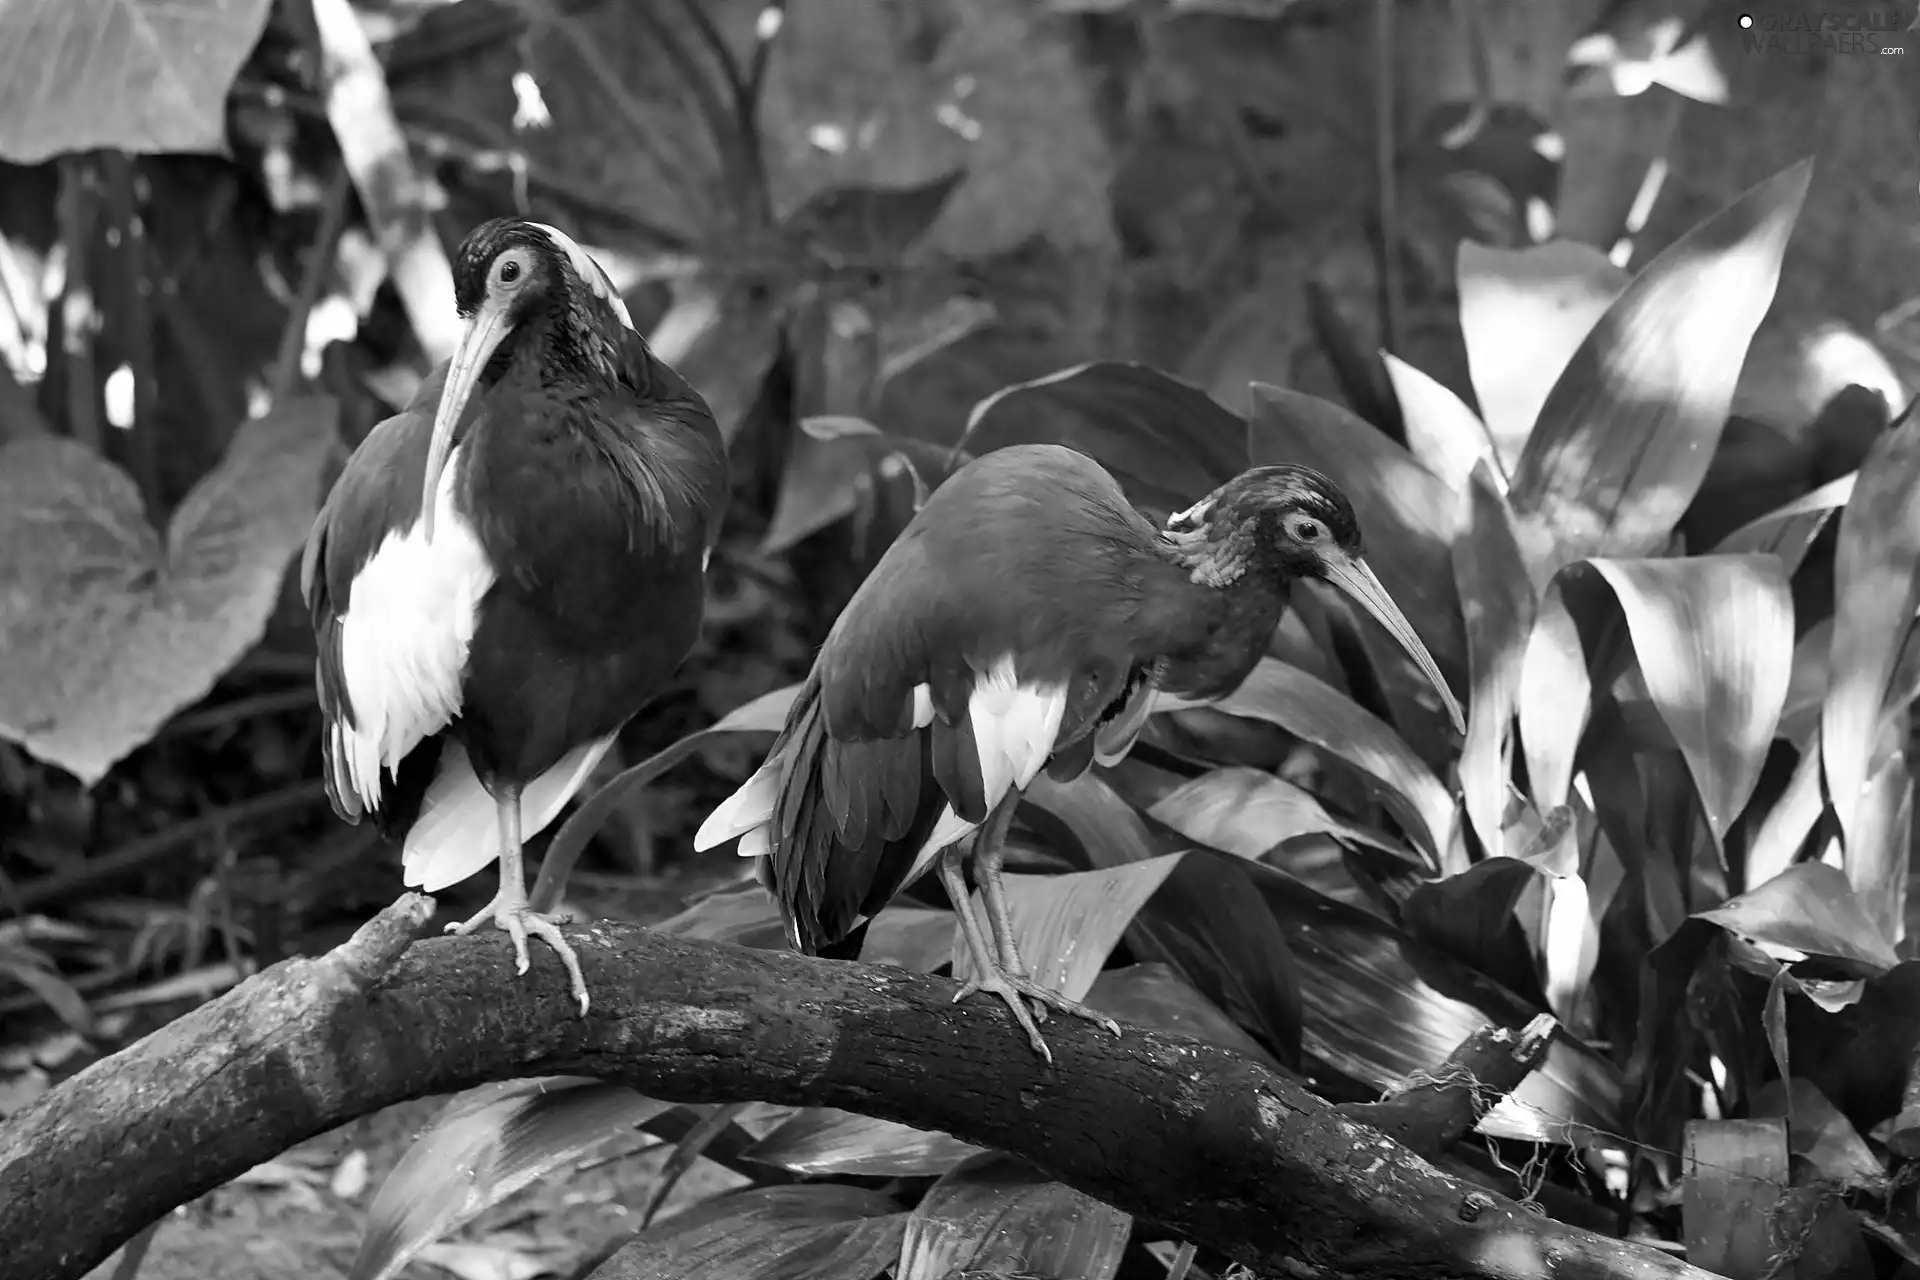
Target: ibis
[(1028, 616), (508, 570)]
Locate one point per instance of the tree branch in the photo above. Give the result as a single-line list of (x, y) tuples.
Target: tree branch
[(1215, 1147)]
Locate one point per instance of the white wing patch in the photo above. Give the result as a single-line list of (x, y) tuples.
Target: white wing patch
[(458, 831), (404, 636), (589, 270)]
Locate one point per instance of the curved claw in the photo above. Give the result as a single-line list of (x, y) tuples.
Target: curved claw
[(519, 921), (1029, 1002)]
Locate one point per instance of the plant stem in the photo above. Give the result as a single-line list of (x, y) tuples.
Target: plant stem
[(293, 339), (1383, 153), (133, 316), (75, 211)]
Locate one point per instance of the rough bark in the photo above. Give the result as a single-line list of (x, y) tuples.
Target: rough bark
[(1212, 1145)]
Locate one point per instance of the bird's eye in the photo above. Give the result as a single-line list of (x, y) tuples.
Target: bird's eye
[(509, 271), (1308, 530)]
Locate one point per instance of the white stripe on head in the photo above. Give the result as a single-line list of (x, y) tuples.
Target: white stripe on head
[(589, 270)]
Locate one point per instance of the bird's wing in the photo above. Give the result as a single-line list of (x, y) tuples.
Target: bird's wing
[(392, 615)]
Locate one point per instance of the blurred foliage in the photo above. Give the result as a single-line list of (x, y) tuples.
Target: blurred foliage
[(1654, 513)]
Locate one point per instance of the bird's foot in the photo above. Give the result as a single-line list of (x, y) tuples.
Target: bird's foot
[(517, 920), (1030, 1002)]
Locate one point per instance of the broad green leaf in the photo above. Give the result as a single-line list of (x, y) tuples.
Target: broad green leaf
[(1807, 686), (1209, 924), (1381, 1005), (1626, 435), (743, 914), (995, 1216), (817, 1232), (1555, 698), (1154, 995), (823, 1141), (1568, 947), (1168, 443), (1312, 711), (714, 1120), (831, 477), (1818, 1133), (1443, 434), (1881, 849), (1714, 637), (482, 1147), (1475, 917), (1065, 925), (1789, 530), (1498, 604), (1523, 313), (82, 75), (764, 714), (1775, 845), (108, 627), (1248, 811), (1109, 830), (1876, 590), (1407, 514), (917, 938), (1807, 910)]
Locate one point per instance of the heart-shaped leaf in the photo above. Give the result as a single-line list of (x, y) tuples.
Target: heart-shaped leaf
[(1876, 590), (1407, 514), (820, 1141), (83, 75), (1443, 434), (108, 628), (1065, 925), (1166, 442), (482, 1147), (1314, 712), (1808, 909), (1498, 604), (1626, 435), (817, 1232), (1714, 636), (1523, 313), (995, 1216)]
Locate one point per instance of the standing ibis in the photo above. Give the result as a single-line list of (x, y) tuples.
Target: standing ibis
[(1027, 616), (507, 570)]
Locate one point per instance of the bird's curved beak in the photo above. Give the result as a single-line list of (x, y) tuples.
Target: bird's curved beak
[(485, 332), (1352, 575)]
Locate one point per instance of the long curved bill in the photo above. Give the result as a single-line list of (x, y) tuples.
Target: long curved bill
[(485, 332), (1353, 576)]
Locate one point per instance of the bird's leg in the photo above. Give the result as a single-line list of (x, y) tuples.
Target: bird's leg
[(989, 857), (509, 911), (996, 964)]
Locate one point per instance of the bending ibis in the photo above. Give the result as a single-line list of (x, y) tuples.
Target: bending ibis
[(507, 570), (1027, 616)]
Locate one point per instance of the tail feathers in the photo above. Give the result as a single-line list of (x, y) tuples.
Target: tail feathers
[(458, 830), (745, 813)]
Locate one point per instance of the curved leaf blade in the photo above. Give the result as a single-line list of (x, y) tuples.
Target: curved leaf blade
[(1876, 591), (995, 1216), (824, 1141), (1066, 925), (1789, 530), (818, 1232), (1167, 442), (1407, 514), (1523, 313), (1498, 604), (1809, 908), (1316, 713), (1247, 811), (764, 714), (1714, 636), (1443, 434), (483, 1147), (1625, 437)]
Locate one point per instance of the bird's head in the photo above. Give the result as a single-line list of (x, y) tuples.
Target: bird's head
[(1292, 522), (512, 277)]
